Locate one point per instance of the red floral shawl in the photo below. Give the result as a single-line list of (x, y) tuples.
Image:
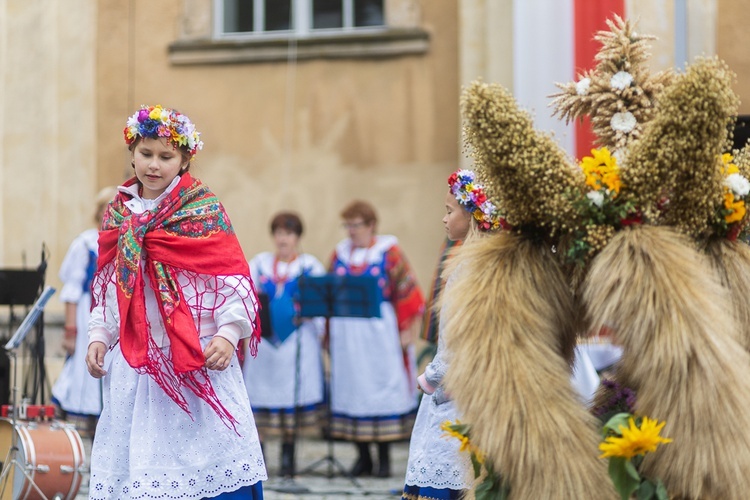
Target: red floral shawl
[(188, 232)]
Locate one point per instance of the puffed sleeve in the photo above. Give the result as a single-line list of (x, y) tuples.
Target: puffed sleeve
[(314, 267), (406, 296), (236, 306), (255, 268), (73, 271)]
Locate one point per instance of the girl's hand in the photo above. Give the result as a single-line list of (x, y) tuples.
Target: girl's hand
[(95, 359), (218, 354)]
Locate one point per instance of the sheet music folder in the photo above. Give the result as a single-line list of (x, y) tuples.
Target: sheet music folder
[(30, 319), (339, 296)]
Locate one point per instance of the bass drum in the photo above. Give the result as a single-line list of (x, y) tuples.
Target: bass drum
[(52, 454)]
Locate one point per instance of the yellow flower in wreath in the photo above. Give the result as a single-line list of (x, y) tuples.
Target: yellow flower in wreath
[(728, 167), (634, 440), (601, 170), (737, 208)]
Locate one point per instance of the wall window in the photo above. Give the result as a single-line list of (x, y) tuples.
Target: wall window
[(299, 17)]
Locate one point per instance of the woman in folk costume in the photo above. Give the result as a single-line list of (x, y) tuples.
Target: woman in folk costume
[(285, 381), (76, 392), (436, 468), (172, 299), (373, 395)]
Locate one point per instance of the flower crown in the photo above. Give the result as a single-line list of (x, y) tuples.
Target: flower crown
[(155, 121), (472, 196)]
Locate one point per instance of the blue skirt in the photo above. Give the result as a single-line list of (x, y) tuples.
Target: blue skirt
[(427, 493), (252, 492)]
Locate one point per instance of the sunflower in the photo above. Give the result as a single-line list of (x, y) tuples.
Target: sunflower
[(634, 440)]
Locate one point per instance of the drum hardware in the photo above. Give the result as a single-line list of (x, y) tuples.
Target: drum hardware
[(11, 462), (34, 446), (37, 468)]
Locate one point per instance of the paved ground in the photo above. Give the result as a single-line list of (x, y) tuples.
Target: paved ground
[(314, 485)]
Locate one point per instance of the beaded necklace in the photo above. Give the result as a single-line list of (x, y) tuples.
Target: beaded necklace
[(358, 269), (280, 279)]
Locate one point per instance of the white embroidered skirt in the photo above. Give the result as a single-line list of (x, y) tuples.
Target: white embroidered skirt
[(148, 447), (435, 459)]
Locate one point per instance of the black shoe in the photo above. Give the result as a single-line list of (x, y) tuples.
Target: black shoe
[(363, 465), (287, 460), (384, 457)]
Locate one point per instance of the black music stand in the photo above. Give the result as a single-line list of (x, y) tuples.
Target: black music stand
[(266, 332), (337, 296), (19, 287)]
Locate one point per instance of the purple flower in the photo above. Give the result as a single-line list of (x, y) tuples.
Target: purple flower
[(143, 115), (621, 400)]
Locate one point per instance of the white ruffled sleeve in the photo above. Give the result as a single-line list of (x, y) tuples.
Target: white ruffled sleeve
[(73, 271), (236, 305)]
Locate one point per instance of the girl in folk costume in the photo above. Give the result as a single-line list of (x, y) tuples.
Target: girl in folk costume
[(437, 469), (77, 393), (172, 299), (285, 381), (372, 367)]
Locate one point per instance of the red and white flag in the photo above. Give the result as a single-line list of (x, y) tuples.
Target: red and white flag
[(553, 41)]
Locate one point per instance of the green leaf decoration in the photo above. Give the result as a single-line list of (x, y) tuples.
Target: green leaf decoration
[(624, 476), (492, 487), (613, 424), (476, 464), (646, 491), (661, 491)]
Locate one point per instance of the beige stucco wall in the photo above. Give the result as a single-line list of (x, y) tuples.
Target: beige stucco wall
[(384, 129), (308, 137), (714, 27), (733, 45), (47, 141)]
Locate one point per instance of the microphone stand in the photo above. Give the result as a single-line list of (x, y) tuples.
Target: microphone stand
[(288, 484)]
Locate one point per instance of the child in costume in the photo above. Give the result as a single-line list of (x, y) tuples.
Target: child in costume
[(373, 398), (172, 299), (75, 391), (437, 469), (285, 381)]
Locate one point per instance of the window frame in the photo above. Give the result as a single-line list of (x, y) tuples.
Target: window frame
[(302, 24)]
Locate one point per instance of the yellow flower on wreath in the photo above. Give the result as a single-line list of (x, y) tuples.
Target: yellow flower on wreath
[(447, 426), (737, 208), (601, 171), (728, 167), (466, 445), (634, 440)]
